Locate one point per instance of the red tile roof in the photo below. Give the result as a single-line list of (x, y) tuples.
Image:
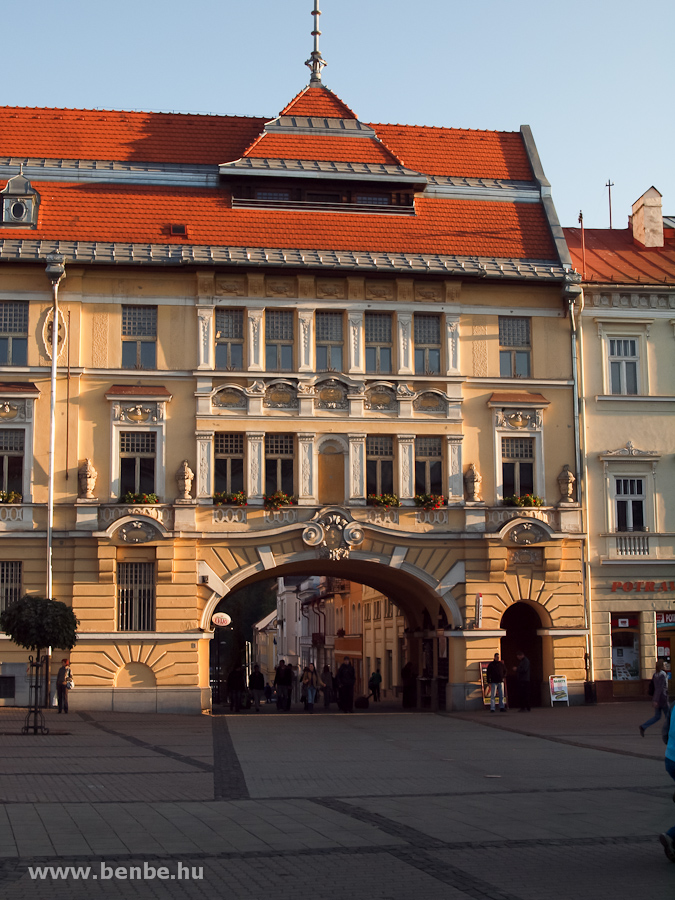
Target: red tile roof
[(125, 136), (612, 256), (454, 151), (142, 214), (318, 101), (321, 147)]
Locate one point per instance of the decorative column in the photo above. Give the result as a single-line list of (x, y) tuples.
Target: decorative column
[(455, 473), (406, 468), (255, 467), (306, 470), (356, 355), (357, 469), (206, 346), (204, 465), (405, 344), (452, 344), (306, 340), (254, 319)]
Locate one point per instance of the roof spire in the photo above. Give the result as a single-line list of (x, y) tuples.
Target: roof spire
[(316, 62)]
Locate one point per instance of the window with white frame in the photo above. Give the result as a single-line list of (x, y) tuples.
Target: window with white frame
[(427, 330), (514, 347), (230, 339), (279, 453), (428, 465), (13, 333), (378, 334), (630, 497), (10, 583), (624, 362), (229, 462), (139, 337), (517, 466), (379, 464), (12, 449), (136, 596), (138, 454), (278, 340), (366, 612), (377, 609), (329, 341)]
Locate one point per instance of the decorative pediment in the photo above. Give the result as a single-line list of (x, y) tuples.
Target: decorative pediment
[(229, 396), (281, 395), (431, 402), (331, 394), (381, 398), (630, 451)]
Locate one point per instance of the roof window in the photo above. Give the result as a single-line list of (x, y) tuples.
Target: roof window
[(20, 202)]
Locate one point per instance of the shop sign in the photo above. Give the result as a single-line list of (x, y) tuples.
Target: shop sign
[(557, 685), (221, 619), (643, 587), (665, 620), (625, 622)]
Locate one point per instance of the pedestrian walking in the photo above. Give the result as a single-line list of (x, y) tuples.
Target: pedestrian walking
[(282, 683), (374, 683), (660, 696), (64, 678), (311, 683), (668, 837), (496, 675), (346, 679), (236, 685), (522, 671), (293, 685), (327, 681), (269, 691), (257, 685)]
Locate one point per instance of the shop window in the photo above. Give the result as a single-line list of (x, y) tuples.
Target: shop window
[(517, 466), (379, 465), (278, 463), (378, 343), (514, 347), (630, 504), (625, 647), (329, 342), (13, 333), (427, 344), (10, 583), (278, 340), (428, 466), (135, 596), (230, 339), (12, 448), (229, 463), (139, 337), (138, 451)]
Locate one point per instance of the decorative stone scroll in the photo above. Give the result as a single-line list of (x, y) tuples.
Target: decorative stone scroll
[(333, 535)]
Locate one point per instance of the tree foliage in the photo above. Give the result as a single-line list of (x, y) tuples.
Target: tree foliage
[(37, 622)]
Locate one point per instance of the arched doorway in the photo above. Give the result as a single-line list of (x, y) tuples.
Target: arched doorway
[(522, 622), (331, 473)]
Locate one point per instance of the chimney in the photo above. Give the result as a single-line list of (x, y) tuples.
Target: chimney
[(647, 219)]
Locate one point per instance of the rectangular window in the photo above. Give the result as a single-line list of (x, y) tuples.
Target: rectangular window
[(380, 465), (278, 463), (329, 342), (278, 340), (630, 504), (137, 462), (13, 333), (139, 337), (623, 365), (378, 343), (366, 612), (136, 596), (230, 339), (273, 196), (427, 344), (514, 347), (11, 459), (388, 608), (373, 199), (229, 462), (10, 583), (517, 466), (377, 612), (428, 465)]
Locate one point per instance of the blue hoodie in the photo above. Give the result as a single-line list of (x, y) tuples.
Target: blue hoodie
[(670, 748)]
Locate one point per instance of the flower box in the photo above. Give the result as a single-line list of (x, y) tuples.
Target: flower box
[(525, 500), (386, 501), (220, 498), (430, 501), (278, 499), (145, 499)]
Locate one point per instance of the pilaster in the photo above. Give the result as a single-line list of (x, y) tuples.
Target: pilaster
[(254, 319), (206, 344), (406, 468), (405, 347), (452, 344), (255, 466), (356, 355), (357, 469), (455, 474), (307, 475), (204, 465), (306, 340)]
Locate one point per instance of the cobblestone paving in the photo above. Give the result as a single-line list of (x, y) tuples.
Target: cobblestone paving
[(390, 806)]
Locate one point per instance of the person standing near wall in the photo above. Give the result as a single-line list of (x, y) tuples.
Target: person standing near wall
[(257, 685), (660, 696), (496, 673), (63, 677), (522, 671)]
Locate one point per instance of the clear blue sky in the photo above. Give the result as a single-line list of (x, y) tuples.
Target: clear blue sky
[(595, 80)]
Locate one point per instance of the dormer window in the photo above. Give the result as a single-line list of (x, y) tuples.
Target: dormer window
[(19, 203)]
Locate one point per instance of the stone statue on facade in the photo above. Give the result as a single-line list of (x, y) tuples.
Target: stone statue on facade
[(184, 478), (566, 484), (473, 481), (87, 476)]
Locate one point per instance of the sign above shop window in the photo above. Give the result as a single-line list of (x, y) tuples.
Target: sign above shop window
[(630, 621), (665, 620), (643, 587)]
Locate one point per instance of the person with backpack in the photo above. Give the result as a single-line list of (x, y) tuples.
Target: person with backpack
[(667, 839), (658, 689)]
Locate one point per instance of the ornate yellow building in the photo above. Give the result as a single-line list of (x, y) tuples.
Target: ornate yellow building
[(307, 307)]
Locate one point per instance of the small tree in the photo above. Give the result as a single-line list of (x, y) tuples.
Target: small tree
[(38, 622)]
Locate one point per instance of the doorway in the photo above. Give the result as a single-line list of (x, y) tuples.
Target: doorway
[(522, 622)]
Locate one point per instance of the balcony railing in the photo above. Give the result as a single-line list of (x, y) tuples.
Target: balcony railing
[(632, 544)]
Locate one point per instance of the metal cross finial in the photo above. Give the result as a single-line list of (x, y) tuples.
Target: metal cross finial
[(316, 62), (610, 185)]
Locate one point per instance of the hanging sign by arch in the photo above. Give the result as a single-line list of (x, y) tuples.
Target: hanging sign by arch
[(220, 619)]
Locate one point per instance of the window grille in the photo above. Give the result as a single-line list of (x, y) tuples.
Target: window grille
[(329, 326), (230, 324), (378, 327), (379, 446), (273, 196), (373, 199), (135, 596), (137, 442), (13, 317), (229, 444), (279, 445), (517, 448), (514, 331), (278, 325), (12, 440), (428, 447), (427, 329), (10, 583), (139, 321)]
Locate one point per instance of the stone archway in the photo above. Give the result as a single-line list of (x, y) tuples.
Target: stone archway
[(522, 622)]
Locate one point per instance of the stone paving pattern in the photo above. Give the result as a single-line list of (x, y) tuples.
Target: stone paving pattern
[(560, 804)]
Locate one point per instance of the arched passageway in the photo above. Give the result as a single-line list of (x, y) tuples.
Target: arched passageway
[(522, 623)]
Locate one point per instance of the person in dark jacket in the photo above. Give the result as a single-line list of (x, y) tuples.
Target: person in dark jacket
[(496, 674), (374, 683), (236, 685), (257, 685), (327, 679), (346, 679), (660, 698), (282, 682), (63, 676), (522, 671)]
